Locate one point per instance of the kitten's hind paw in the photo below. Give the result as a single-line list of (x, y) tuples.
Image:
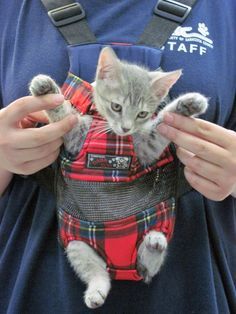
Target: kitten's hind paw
[(97, 292), (191, 104), (42, 85), (155, 241), (94, 299), (151, 255)]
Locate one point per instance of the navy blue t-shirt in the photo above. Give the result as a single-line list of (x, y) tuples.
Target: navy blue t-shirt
[(199, 274)]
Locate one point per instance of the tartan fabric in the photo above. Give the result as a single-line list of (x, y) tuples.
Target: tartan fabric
[(74, 86), (107, 149), (118, 241), (110, 158)]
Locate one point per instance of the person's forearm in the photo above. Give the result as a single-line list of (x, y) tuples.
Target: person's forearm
[(5, 179)]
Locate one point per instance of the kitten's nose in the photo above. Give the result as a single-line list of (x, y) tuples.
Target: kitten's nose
[(125, 130)]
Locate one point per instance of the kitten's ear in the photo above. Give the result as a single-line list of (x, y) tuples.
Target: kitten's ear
[(108, 67), (163, 81)]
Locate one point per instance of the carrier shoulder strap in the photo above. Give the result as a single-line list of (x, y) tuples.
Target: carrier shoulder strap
[(70, 19), (167, 16)]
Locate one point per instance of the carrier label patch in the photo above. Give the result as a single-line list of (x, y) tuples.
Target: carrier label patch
[(97, 161)]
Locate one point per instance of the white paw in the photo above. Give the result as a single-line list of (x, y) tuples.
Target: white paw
[(155, 241), (151, 255), (97, 292), (94, 298)]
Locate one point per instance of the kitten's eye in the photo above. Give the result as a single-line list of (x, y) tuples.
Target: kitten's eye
[(142, 114), (116, 107)]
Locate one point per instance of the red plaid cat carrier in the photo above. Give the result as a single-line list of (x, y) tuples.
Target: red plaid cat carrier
[(107, 163)]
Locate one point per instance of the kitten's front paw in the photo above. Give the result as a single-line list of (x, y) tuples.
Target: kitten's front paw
[(42, 85), (191, 104)]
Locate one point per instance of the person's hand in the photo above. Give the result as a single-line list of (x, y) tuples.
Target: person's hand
[(25, 149), (208, 152), (32, 119)]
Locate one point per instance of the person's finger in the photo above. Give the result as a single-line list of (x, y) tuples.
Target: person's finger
[(202, 129), (24, 106), (33, 119), (206, 187), (201, 167), (40, 136), (31, 167), (24, 155), (202, 148), (39, 116)]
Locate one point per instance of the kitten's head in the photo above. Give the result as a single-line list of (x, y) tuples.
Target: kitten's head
[(127, 95)]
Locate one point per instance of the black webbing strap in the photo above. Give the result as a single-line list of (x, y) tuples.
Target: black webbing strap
[(167, 16), (70, 19), (181, 185), (45, 178)]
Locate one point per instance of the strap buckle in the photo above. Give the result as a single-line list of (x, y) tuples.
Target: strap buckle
[(67, 14), (172, 10)]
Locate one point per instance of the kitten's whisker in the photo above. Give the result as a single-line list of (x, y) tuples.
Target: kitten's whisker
[(106, 130), (103, 131), (100, 132), (98, 128)]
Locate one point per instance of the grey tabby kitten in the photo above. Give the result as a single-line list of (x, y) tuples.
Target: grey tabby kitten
[(128, 96)]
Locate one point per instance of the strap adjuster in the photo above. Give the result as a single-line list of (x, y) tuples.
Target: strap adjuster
[(67, 14), (172, 10)]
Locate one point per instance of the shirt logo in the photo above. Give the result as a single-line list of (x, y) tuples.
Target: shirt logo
[(187, 40), (96, 161)]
